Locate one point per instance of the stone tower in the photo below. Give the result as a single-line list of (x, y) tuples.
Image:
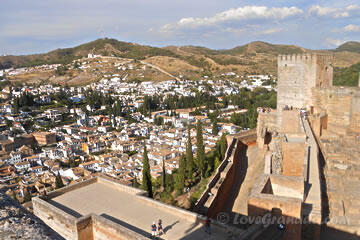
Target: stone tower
[(298, 74)]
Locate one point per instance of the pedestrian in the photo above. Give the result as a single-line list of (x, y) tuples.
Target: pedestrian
[(207, 225), (160, 228), (153, 230)]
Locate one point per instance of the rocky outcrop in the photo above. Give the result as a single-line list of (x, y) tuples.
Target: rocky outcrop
[(17, 223)]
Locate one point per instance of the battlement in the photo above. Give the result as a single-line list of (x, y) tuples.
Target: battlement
[(304, 58)]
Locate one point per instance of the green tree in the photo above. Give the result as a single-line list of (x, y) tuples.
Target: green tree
[(200, 149), (14, 196), (135, 183), (180, 176), (27, 196), (146, 181), (217, 162), (9, 123), (16, 105), (223, 146), (159, 121), (58, 181), (189, 155), (215, 128), (164, 174)]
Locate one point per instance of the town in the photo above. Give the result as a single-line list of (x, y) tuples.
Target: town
[(54, 135)]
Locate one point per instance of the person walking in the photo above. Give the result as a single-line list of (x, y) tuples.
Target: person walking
[(207, 225), (160, 228), (153, 230)]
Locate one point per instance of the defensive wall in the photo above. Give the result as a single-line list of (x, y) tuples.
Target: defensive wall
[(298, 74), (219, 187), (317, 141), (341, 106)]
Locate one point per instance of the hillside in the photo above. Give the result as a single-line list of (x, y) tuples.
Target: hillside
[(191, 62), (347, 76), (105, 47), (349, 47)]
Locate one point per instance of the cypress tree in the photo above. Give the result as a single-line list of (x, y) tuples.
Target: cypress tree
[(215, 128), (16, 105), (200, 152), (180, 176), (58, 182), (146, 181), (189, 155), (164, 174), (223, 146), (27, 197), (135, 183), (14, 196)]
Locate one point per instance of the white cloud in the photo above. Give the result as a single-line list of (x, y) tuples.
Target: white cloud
[(352, 28), (271, 31), (334, 42), (236, 14), (348, 11)]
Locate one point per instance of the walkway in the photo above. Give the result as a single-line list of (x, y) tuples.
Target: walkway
[(313, 198), (237, 202)]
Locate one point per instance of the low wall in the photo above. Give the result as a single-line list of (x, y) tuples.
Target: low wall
[(63, 223), (84, 226), (104, 229), (97, 227), (69, 188)]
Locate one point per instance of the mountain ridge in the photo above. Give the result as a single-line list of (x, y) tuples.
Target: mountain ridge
[(256, 57)]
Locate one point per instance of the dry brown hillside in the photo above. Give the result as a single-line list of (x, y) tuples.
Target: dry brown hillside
[(189, 61)]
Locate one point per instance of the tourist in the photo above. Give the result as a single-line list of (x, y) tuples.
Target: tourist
[(207, 225), (153, 230), (160, 228)]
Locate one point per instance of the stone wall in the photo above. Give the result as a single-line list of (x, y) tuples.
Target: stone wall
[(293, 158), (93, 226), (297, 75), (62, 222), (219, 186), (290, 122), (224, 188), (263, 200), (266, 122), (342, 106)]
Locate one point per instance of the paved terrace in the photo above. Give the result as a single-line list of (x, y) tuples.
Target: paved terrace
[(130, 211)]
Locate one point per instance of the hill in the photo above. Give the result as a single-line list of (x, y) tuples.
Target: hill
[(264, 48), (191, 62), (105, 47), (349, 47), (347, 76)]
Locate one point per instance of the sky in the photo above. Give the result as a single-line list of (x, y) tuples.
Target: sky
[(39, 26)]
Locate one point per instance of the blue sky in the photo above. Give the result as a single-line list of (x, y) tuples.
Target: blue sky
[(42, 25)]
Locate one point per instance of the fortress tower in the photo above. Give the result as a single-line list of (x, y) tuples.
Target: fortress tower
[(298, 74)]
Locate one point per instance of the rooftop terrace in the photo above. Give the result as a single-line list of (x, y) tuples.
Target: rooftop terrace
[(122, 210)]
